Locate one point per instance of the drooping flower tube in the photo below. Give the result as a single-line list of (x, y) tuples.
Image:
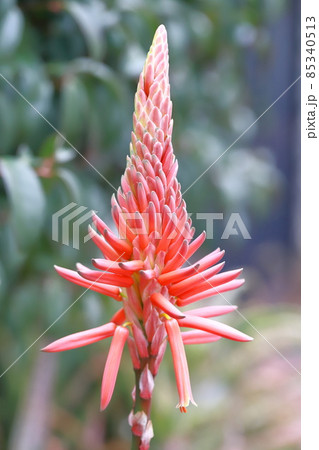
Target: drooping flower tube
[(145, 265)]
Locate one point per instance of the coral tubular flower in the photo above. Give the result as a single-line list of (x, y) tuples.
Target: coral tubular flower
[(145, 265), (180, 364), (112, 365)]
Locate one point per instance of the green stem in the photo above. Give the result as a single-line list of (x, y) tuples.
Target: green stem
[(140, 404), (135, 442)]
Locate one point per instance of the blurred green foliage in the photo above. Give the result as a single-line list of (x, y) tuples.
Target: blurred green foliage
[(68, 75)]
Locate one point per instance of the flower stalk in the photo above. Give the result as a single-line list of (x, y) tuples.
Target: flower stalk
[(145, 264)]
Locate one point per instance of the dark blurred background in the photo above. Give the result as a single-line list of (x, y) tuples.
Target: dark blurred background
[(77, 63)]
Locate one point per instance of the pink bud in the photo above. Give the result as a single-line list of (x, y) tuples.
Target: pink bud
[(165, 305), (140, 340), (146, 437), (146, 384), (155, 362), (137, 422)]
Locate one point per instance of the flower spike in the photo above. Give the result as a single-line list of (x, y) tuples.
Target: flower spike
[(145, 263)]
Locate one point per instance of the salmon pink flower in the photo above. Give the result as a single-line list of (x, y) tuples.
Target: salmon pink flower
[(145, 267)]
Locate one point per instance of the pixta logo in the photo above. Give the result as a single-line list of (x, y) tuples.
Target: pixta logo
[(74, 215)]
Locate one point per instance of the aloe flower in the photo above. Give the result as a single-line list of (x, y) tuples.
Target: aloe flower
[(146, 266)]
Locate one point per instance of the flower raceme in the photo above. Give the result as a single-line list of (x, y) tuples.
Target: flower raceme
[(142, 265)]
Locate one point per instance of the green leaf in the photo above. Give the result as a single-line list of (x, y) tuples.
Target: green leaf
[(8, 129), (87, 66), (92, 18), (74, 109), (26, 198), (12, 256), (71, 183), (3, 281), (48, 146), (11, 28)]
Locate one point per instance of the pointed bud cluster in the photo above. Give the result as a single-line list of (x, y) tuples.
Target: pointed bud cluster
[(141, 427), (146, 264)]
